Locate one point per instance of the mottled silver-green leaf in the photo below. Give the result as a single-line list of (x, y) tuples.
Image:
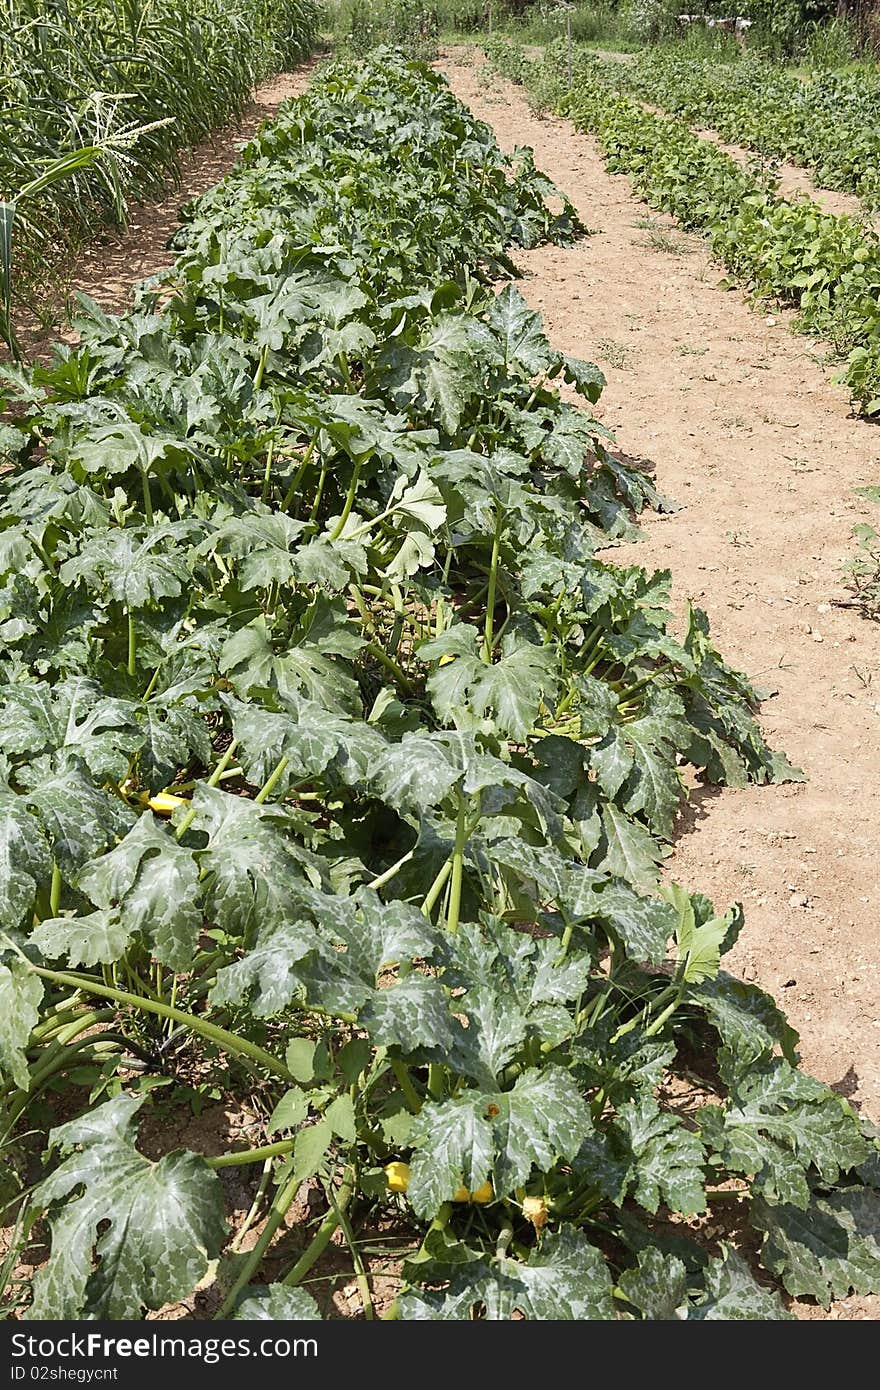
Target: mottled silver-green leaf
[(95, 938), (20, 994), (415, 774), (25, 859), (154, 881), (497, 1025), (464, 1140), (266, 977), (412, 1013), (654, 787), (509, 689), (750, 1022), (520, 332), (829, 1250), (264, 542), (250, 868), (632, 852), (668, 1157), (140, 1237), (275, 1303), (564, 1279), (79, 818), (376, 934), (74, 715), (657, 1286), (137, 567), (642, 923), (293, 668), (732, 1293), (310, 739), (777, 1124)]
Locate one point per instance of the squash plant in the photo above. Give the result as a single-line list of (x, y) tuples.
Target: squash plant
[(338, 765)]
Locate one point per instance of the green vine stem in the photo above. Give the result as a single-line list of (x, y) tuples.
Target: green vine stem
[(322, 1237), (360, 1272), (277, 1212), (488, 641), (215, 777), (227, 1041), (237, 1160), (461, 838), (404, 1081)]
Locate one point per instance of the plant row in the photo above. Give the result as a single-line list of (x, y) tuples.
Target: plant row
[(825, 266), (100, 96), (338, 771), (827, 123)]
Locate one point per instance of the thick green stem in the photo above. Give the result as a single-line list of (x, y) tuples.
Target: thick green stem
[(237, 1160), (57, 1062), (148, 501), (626, 695), (488, 640), (436, 888), (277, 1213), (55, 889), (298, 477), (566, 941), (360, 1272), (67, 1031), (391, 873), (390, 665), (404, 1081), (256, 1206), (132, 646), (322, 478), (349, 503), (215, 777), (673, 992), (436, 1080), (461, 837), (267, 475), (271, 782), (55, 1020), (261, 367), (322, 1237), (228, 1042), (663, 1018)]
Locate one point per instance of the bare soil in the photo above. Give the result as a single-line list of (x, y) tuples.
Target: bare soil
[(746, 431)]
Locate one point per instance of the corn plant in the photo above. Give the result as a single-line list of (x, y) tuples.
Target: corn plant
[(78, 76)]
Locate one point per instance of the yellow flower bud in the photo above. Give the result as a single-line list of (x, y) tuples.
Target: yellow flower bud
[(163, 803), (397, 1175)]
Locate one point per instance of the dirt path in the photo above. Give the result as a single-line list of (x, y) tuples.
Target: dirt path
[(793, 179), (747, 433), (116, 261)]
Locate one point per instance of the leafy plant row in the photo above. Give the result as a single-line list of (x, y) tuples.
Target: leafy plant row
[(788, 249), (100, 96), (339, 770), (826, 123)]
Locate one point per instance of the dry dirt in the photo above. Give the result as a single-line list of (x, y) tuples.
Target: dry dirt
[(746, 431)]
